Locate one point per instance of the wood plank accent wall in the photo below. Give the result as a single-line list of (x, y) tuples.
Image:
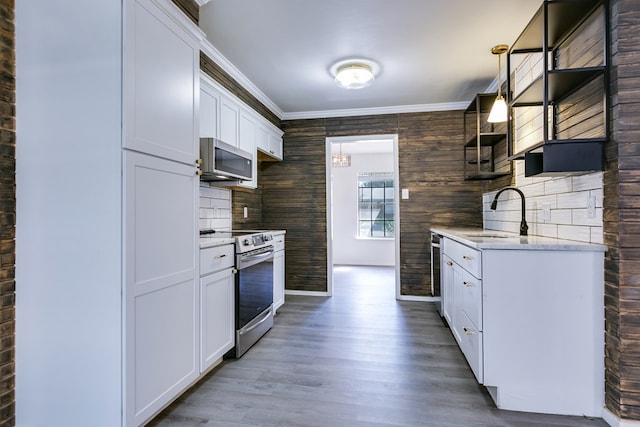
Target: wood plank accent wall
[(189, 8), (430, 166), (213, 70), (622, 217), (7, 213)]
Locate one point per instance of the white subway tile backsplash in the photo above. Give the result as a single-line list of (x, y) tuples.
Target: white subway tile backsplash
[(567, 199), (215, 208), (597, 235), (588, 182), (577, 199), (580, 233), (558, 185)]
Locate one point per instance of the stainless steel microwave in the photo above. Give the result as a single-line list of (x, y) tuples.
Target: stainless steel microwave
[(224, 162)]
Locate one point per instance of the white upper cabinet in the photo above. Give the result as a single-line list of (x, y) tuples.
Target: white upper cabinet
[(229, 120), (247, 142), (209, 111), (224, 116), (269, 142), (161, 85)]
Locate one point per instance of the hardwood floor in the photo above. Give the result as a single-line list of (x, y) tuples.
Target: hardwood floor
[(360, 358)]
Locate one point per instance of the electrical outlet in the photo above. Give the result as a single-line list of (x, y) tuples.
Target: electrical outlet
[(405, 193), (546, 212), (591, 207)]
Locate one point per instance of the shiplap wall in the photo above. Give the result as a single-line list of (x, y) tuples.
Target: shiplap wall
[(8, 214)]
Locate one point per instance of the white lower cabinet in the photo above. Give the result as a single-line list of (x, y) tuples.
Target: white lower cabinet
[(529, 321), (278, 271), (217, 304), (161, 293)]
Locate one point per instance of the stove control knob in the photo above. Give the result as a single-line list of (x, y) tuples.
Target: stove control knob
[(245, 242)]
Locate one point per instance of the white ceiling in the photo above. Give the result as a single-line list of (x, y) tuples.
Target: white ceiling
[(433, 54)]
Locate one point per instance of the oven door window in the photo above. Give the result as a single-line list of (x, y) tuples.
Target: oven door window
[(255, 291)]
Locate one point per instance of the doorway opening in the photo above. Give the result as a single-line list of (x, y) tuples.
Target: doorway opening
[(363, 208)]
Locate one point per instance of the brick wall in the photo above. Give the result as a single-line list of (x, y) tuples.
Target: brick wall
[(7, 212)]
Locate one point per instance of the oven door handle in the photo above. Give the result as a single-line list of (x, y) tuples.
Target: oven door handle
[(265, 317), (249, 260)]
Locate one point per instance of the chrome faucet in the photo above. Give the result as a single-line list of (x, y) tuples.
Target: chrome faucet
[(523, 223)]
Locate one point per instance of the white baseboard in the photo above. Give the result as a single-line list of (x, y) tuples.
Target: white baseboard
[(614, 421), (416, 298), (307, 293)]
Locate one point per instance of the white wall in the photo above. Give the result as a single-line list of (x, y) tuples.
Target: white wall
[(347, 249)]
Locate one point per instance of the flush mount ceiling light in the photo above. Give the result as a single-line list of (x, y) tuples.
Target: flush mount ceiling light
[(498, 112), (354, 73), (340, 160)]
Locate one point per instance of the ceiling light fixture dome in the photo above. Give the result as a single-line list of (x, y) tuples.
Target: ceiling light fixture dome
[(354, 73)]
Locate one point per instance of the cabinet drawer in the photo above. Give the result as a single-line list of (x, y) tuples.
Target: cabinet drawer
[(215, 259), (471, 345), (472, 299), (468, 258), (278, 242)]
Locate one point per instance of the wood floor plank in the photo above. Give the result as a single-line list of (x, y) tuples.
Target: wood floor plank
[(359, 358)]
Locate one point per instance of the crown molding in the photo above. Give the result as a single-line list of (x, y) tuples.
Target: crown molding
[(180, 18), (202, 2), (229, 68), (398, 109)]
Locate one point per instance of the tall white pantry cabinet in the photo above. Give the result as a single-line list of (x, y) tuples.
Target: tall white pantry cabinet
[(107, 276)]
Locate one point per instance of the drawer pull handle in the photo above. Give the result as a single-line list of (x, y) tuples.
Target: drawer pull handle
[(449, 263), (219, 256), (199, 172), (467, 284), (468, 258), (468, 331)]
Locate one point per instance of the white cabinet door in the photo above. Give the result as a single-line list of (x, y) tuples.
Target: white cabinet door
[(216, 317), (262, 139), (247, 142), (229, 121), (278, 280), (161, 83), (161, 282), (209, 109), (446, 278), (275, 145)]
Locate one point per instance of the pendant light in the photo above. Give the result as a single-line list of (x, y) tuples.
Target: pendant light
[(498, 112), (341, 160)]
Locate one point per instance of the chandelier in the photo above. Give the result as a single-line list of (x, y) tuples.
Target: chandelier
[(340, 160)]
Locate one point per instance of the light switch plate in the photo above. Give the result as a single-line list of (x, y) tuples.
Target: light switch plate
[(591, 207), (245, 212), (405, 193), (546, 212)]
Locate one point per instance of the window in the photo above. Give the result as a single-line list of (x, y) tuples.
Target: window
[(376, 205)]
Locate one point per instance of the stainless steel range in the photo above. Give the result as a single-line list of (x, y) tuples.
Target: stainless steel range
[(254, 285)]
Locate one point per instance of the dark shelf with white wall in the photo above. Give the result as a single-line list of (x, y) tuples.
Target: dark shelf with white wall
[(571, 92)]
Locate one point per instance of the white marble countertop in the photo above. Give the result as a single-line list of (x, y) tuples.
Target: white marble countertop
[(209, 242), (500, 240)]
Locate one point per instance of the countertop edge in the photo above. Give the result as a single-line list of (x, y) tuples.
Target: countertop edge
[(516, 242), (210, 242)]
